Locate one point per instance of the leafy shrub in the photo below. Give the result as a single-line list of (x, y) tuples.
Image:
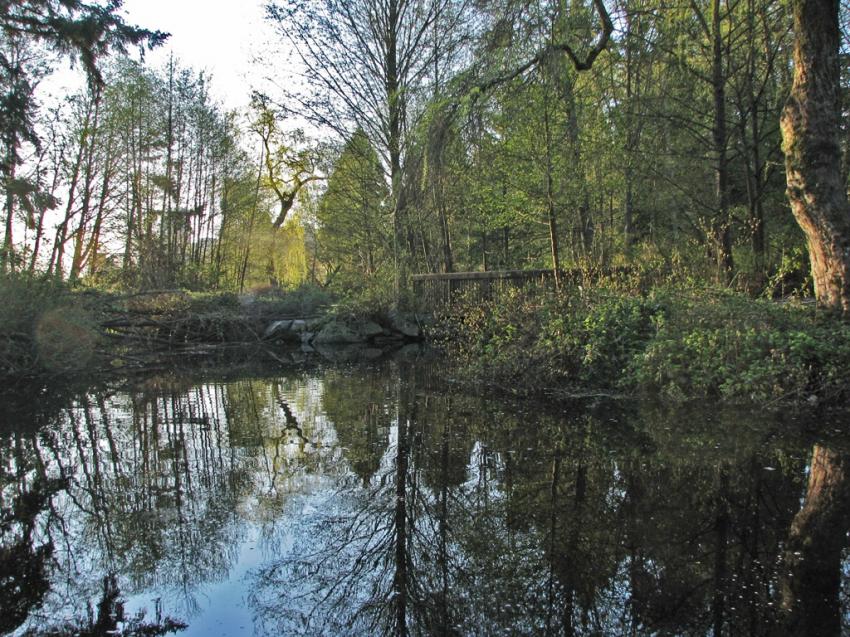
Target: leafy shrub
[(679, 341)]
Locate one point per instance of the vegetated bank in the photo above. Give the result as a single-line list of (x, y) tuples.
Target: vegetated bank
[(678, 342), (675, 341), (49, 331)]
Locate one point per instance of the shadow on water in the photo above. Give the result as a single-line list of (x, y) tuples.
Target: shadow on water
[(376, 500)]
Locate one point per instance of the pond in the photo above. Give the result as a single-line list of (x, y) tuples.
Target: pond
[(378, 499)]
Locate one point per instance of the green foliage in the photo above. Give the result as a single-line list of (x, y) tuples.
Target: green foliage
[(372, 300), (353, 216), (679, 341), (45, 328), (734, 348)]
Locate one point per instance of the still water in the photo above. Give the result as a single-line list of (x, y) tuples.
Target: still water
[(379, 500)]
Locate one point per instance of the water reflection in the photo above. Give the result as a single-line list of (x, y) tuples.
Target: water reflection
[(377, 501)]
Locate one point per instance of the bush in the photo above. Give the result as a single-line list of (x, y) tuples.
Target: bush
[(737, 349), (678, 341), (44, 327)]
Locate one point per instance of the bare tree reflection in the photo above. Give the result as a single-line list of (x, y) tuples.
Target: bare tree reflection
[(380, 503), (153, 489), (554, 528)]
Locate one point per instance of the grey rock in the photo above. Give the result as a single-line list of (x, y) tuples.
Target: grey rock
[(370, 329), (410, 352), (405, 324), (276, 327), (337, 332)]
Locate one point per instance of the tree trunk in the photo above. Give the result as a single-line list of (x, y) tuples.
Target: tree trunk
[(551, 212), (810, 133), (91, 141), (720, 226), (7, 262), (810, 583)]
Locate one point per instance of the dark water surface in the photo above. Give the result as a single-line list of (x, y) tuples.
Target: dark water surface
[(352, 500)]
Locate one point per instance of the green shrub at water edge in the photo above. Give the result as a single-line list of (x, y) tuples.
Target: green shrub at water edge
[(739, 349), (679, 342)]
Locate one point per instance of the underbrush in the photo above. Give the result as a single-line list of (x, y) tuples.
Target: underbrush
[(302, 301), (48, 328), (44, 328), (679, 342)]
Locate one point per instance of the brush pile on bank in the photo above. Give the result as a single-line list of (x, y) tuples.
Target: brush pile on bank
[(46, 329)]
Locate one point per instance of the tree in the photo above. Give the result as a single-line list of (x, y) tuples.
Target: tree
[(366, 62), (352, 213), (82, 31), (811, 139), (810, 586), (287, 165), (20, 72)]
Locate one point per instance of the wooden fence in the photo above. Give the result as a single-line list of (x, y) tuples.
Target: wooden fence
[(441, 290)]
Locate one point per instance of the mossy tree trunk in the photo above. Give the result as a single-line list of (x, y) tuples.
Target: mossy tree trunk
[(810, 132)]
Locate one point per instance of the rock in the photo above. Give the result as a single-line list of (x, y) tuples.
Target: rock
[(410, 352), (388, 341), (405, 324), (370, 329), (339, 354), (337, 332), (277, 327)]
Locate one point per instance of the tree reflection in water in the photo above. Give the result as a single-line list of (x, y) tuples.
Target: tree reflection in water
[(157, 486), (380, 502), (484, 520)]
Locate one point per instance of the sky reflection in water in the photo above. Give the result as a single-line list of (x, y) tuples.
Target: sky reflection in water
[(377, 501)]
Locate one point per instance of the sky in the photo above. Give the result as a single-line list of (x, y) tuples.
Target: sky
[(219, 36), (228, 39)]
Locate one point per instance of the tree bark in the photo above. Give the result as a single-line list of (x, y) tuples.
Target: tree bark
[(551, 212), (7, 261), (810, 133), (810, 583), (720, 226)]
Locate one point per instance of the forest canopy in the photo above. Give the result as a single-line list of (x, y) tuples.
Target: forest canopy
[(417, 136)]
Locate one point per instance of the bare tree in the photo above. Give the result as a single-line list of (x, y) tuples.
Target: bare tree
[(366, 64)]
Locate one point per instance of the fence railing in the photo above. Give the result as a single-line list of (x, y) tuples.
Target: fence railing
[(441, 290)]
